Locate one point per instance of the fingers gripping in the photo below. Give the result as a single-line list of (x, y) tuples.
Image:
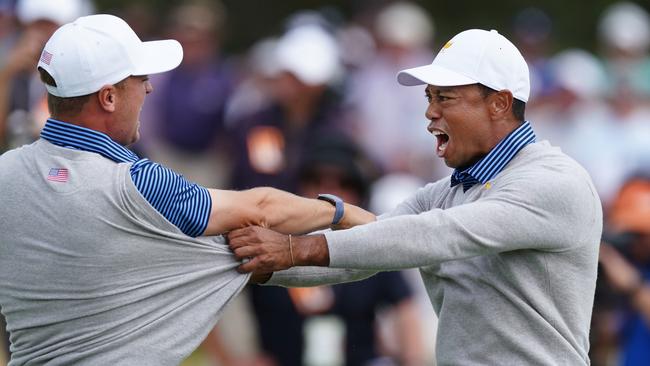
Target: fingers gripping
[(263, 250)]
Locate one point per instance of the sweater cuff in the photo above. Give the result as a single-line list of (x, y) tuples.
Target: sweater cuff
[(344, 248)]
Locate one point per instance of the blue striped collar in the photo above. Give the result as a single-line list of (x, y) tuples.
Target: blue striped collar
[(81, 138), (492, 164)]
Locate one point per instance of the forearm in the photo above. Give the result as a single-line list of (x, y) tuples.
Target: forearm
[(408, 241), (289, 213), (275, 209), (484, 227)]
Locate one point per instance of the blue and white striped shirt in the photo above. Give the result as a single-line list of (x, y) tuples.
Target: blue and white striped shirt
[(491, 164), (185, 204)]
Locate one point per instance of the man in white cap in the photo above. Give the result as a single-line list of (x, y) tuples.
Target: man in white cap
[(100, 256), (507, 245)]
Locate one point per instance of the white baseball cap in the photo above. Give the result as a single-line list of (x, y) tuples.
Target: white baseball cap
[(625, 25), (102, 49), (310, 53), (475, 56)]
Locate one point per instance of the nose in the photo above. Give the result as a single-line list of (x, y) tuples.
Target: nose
[(433, 111), (432, 114)]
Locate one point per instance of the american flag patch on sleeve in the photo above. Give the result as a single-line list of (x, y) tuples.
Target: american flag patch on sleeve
[(58, 175)]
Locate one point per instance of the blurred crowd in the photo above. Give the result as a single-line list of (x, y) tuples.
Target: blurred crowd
[(316, 108)]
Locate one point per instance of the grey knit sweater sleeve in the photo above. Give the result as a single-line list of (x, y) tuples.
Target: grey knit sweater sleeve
[(543, 211), (316, 276)]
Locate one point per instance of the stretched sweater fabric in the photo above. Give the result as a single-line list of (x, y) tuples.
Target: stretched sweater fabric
[(509, 266), (92, 274)]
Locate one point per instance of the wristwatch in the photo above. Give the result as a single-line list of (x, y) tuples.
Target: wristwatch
[(337, 203)]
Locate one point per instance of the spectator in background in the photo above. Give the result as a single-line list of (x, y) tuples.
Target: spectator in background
[(578, 88), (254, 91), (626, 267), (269, 142), (624, 31), (22, 96), (404, 33), (185, 117), (576, 118)]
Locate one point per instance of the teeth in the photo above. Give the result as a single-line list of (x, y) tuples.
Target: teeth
[(442, 142)]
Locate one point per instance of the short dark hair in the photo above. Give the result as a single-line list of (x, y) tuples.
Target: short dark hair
[(60, 106), (518, 106)]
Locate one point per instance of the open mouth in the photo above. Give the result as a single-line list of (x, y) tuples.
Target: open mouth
[(443, 140)]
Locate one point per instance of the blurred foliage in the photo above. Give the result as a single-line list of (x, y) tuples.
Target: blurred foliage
[(574, 21)]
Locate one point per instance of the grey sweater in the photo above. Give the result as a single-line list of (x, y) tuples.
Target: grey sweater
[(91, 274), (509, 266)]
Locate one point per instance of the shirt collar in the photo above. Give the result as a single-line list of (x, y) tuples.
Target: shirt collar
[(492, 164), (81, 138)]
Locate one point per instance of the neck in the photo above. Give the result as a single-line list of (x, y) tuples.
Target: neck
[(503, 129), (86, 118)]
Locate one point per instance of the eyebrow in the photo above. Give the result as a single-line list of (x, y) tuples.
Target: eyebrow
[(439, 89)]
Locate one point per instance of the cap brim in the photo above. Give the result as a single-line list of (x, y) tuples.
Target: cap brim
[(433, 75), (158, 56)]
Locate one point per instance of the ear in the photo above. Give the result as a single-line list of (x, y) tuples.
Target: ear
[(500, 104), (107, 98)]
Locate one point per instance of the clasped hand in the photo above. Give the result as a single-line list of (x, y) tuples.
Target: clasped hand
[(262, 250)]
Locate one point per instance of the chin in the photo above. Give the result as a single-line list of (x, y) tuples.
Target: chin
[(450, 164)]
